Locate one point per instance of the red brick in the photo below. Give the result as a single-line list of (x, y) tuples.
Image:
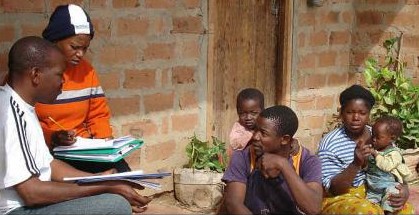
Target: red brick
[(307, 142), (132, 27), (179, 122), (378, 37), (305, 103), (301, 83), (188, 100), (343, 58), (412, 2), (190, 4), (160, 4), (411, 41), (307, 61), (347, 17), (125, 3), (165, 80), (319, 38), (306, 19), (380, 2), (301, 39), (163, 51), (140, 129), (111, 55), (27, 6), (165, 125), (415, 80), (97, 4), (7, 33), (339, 37), (158, 102), (331, 17), (314, 122), (190, 49), (159, 26), (189, 24), (409, 60), (102, 27), (315, 81), (327, 58), (124, 106), (359, 58), (367, 18), (133, 159), (355, 78), (140, 79), (325, 102), (55, 3), (183, 75), (337, 79), (33, 29), (400, 19), (110, 81), (359, 38), (160, 151)]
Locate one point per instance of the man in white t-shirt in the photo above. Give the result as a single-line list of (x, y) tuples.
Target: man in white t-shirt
[(30, 178)]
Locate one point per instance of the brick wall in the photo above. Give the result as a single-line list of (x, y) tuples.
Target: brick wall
[(332, 42), (151, 59)]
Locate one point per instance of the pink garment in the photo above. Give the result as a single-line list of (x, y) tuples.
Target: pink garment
[(239, 136)]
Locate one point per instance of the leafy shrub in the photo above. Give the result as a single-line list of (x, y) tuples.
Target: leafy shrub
[(394, 93), (202, 155)]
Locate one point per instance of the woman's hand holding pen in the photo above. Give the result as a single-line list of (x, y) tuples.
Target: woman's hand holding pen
[(64, 138)]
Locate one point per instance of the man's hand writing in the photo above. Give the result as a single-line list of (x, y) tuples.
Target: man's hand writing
[(63, 138)]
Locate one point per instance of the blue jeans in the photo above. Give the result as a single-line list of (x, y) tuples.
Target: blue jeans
[(100, 204)]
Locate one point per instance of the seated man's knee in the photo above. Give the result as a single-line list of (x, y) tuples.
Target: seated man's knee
[(115, 204)]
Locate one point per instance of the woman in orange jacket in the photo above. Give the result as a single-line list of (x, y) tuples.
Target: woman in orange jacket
[(81, 109)]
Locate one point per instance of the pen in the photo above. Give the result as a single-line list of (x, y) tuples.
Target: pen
[(55, 122)]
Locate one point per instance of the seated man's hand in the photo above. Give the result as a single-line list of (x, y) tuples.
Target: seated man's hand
[(63, 138), (397, 201), (270, 165), (127, 190)]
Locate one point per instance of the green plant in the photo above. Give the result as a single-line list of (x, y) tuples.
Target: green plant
[(203, 155), (394, 93)]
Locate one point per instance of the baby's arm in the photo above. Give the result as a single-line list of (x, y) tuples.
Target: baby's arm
[(389, 161)]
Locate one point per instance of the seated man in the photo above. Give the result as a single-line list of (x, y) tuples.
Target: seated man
[(287, 179), (31, 181)]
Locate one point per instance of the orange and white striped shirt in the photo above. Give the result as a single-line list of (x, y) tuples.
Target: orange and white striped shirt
[(81, 106)]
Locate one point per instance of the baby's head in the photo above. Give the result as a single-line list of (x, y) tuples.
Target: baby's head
[(385, 131), (250, 102)]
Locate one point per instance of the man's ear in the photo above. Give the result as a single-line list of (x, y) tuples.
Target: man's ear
[(35, 75), (286, 139)]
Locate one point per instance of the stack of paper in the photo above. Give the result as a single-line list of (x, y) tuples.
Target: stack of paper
[(138, 177), (98, 150)]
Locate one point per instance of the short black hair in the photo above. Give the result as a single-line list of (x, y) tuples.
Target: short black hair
[(356, 92), (27, 53), (251, 94), (285, 119), (394, 125)]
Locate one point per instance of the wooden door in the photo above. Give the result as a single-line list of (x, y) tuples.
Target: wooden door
[(244, 52)]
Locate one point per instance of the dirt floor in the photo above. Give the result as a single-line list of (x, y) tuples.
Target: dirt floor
[(165, 203)]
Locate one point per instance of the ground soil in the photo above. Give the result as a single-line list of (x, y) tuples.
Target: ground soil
[(165, 203)]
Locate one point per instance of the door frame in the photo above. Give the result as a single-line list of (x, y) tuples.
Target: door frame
[(283, 84)]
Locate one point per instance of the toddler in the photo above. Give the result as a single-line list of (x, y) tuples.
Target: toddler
[(386, 166), (250, 102)]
